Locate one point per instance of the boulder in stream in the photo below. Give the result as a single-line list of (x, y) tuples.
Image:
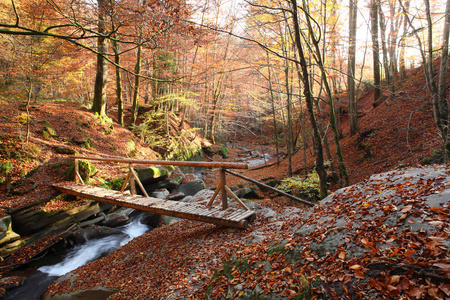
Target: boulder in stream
[(118, 217), (81, 235), (192, 187)]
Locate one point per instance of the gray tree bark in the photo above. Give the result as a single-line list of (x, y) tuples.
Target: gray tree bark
[(375, 48), (101, 77), (352, 106)]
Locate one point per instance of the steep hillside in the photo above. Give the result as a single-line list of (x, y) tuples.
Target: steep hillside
[(397, 132), (56, 129)]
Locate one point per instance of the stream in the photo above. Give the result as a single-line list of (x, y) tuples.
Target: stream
[(37, 280), (253, 162)]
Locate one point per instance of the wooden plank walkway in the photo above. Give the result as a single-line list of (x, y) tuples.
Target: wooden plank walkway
[(231, 217)]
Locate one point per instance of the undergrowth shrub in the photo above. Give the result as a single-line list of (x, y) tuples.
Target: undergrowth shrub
[(307, 188), (155, 131)]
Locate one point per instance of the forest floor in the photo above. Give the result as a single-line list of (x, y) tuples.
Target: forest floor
[(398, 133)]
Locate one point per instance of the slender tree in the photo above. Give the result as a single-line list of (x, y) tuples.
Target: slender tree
[(119, 88), (343, 175), (401, 62), (352, 105), (317, 140), (375, 48)]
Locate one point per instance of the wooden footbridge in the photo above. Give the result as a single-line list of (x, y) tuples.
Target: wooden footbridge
[(224, 215)]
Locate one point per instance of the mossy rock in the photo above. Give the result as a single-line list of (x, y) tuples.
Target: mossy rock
[(152, 173), (223, 151), (86, 169), (50, 130)]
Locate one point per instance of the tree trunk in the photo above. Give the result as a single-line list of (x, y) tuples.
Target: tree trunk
[(317, 141), (445, 111), (101, 77), (118, 83), (352, 106), (375, 49), (393, 35), (343, 175), (289, 117), (137, 71), (383, 43), (275, 127), (402, 64)]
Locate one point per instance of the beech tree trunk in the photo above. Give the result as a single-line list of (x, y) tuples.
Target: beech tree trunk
[(375, 48), (137, 71), (275, 127), (383, 43), (352, 106), (101, 77), (401, 62), (442, 88), (118, 83)]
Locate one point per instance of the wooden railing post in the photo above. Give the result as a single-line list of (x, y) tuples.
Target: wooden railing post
[(223, 183), (132, 181), (77, 174)]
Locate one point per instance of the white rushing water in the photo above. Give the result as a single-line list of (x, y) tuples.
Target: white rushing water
[(93, 249)]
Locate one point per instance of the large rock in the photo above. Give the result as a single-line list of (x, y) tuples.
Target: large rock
[(176, 197), (118, 217), (248, 193), (7, 235), (82, 235), (192, 187), (86, 169), (168, 219), (153, 174), (10, 248), (175, 179), (160, 193), (32, 221), (147, 218), (396, 199)]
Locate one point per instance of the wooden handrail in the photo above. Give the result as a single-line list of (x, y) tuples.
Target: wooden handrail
[(226, 165)]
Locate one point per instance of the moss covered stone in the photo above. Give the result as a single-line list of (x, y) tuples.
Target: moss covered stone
[(50, 130), (86, 169), (151, 173)]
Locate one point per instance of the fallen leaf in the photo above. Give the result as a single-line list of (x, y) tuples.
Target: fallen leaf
[(406, 209), (415, 292), (355, 267), (436, 223), (394, 279), (359, 274)]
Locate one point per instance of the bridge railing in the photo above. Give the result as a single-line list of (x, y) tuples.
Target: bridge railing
[(132, 177)]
